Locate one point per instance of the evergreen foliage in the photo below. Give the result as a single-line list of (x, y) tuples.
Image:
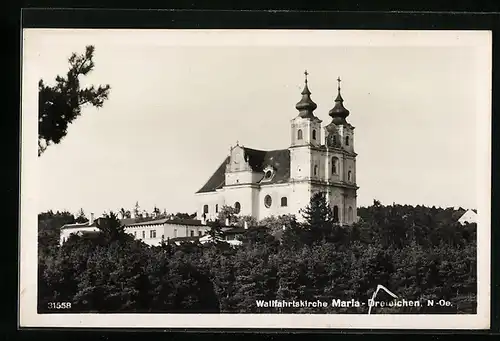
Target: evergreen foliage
[(418, 253)]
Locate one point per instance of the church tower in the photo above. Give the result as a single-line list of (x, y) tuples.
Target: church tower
[(341, 162), (306, 127), (305, 149), (305, 136)]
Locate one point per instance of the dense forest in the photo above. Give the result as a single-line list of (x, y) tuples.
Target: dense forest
[(419, 253)]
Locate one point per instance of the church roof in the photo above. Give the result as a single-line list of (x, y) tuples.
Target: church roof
[(217, 180), (258, 160)]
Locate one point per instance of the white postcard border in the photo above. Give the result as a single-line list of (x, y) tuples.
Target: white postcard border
[(479, 40)]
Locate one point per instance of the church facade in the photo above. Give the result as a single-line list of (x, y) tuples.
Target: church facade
[(263, 183)]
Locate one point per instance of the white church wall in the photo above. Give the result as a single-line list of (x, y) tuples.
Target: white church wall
[(337, 175), (276, 192), (244, 195), (255, 203), (352, 211), (318, 159), (349, 167), (300, 163), (213, 200), (300, 195)]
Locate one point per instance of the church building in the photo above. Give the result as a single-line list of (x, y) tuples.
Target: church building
[(264, 183)]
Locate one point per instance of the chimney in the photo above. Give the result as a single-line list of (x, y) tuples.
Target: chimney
[(91, 221)]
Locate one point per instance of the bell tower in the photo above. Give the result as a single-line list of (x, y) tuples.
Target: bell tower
[(339, 142), (306, 127)]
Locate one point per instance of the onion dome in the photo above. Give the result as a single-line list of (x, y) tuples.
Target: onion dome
[(306, 106), (339, 112)]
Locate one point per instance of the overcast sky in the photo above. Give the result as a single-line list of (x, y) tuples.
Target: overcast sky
[(175, 110)]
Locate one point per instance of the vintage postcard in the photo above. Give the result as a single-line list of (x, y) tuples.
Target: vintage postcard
[(256, 179)]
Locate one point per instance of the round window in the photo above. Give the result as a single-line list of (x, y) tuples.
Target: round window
[(268, 174), (268, 201), (237, 207)]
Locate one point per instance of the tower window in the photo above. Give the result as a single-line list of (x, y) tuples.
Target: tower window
[(336, 213), (284, 202), (237, 207), (347, 140), (268, 201), (205, 209), (299, 134), (315, 170), (216, 208), (334, 165), (334, 139), (314, 134), (349, 175)]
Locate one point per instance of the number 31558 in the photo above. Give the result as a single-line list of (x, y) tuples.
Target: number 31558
[(59, 305)]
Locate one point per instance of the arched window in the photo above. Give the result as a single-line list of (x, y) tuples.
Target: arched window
[(284, 202), (347, 140), (336, 214), (315, 170), (314, 134), (268, 201), (237, 207), (349, 176), (299, 134), (335, 161), (205, 209), (350, 214)]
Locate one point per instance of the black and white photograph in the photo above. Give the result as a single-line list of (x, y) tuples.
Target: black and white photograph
[(255, 179)]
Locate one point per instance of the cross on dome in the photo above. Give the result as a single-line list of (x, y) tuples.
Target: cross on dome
[(306, 106), (339, 112)]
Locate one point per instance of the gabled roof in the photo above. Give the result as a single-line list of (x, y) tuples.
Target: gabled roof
[(78, 225), (191, 222), (127, 221), (217, 180), (457, 214), (258, 160)]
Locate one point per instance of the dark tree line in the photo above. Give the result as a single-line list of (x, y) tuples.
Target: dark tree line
[(419, 253)]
